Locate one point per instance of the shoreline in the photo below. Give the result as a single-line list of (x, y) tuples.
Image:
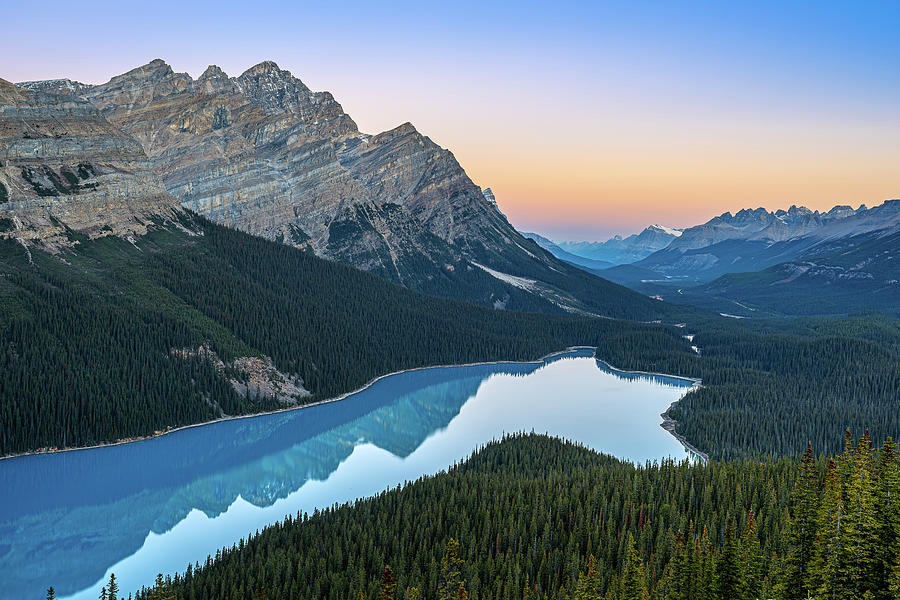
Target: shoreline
[(338, 398), (693, 380), (668, 423)]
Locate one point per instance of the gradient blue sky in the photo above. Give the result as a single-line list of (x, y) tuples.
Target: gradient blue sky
[(585, 118)]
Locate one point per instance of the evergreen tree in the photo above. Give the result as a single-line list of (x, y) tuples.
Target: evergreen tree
[(796, 582), (112, 588), (633, 584), (887, 518), (705, 585), (589, 586), (831, 563), (103, 595), (753, 566), (461, 593), (729, 579), (895, 578), (451, 571), (683, 573), (51, 593), (163, 589), (388, 589), (861, 528)]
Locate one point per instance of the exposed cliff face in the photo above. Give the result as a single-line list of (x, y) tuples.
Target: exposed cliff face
[(62, 165), (263, 153)]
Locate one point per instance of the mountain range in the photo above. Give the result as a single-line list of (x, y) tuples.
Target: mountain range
[(557, 251), (124, 312), (758, 262), (617, 250), (794, 261), (263, 153)]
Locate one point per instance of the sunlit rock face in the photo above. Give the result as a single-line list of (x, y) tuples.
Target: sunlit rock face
[(263, 153), (65, 169)]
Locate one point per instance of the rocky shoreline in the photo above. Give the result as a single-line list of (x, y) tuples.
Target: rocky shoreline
[(669, 424)]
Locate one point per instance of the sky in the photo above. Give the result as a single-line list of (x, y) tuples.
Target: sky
[(585, 118)]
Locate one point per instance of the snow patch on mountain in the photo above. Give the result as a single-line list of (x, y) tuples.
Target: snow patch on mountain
[(668, 230), (524, 283)]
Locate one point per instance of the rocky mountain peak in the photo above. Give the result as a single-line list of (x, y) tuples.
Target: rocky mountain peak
[(657, 228), (156, 69), (275, 90), (842, 210), (405, 129), (488, 194), (795, 211), (214, 81), (392, 135), (10, 92), (156, 78), (212, 72), (264, 68)]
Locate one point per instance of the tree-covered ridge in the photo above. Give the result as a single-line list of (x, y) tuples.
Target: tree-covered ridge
[(770, 387), (535, 517), (528, 513), (87, 337)]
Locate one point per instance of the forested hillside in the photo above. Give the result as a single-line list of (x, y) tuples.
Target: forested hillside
[(114, 339), (94, 345), (859, 273), (534, 517), (769, 387)]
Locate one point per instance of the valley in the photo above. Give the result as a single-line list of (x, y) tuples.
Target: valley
[(253, 348), (757, 263)]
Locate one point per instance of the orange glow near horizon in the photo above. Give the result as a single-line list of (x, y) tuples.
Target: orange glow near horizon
[(605, 187)]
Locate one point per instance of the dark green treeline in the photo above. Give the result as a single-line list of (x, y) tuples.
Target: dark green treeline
[(770, 387), (87, 338), (538, 518)]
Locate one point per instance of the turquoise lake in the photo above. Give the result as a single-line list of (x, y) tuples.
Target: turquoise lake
[(68, 519)]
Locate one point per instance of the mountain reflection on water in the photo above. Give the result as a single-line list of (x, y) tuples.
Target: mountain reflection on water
[(67, 519)]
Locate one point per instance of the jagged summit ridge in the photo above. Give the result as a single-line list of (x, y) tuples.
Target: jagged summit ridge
[(263, 153), (762, 225)]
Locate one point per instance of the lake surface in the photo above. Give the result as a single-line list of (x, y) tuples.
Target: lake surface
[(68, 519)]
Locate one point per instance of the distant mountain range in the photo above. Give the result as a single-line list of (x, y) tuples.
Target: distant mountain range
[(794, 261), (758, 262), (263, 153), (569, 257), (617, 250)]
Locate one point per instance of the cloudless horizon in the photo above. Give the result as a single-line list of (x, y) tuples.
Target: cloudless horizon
[(586, 119)]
